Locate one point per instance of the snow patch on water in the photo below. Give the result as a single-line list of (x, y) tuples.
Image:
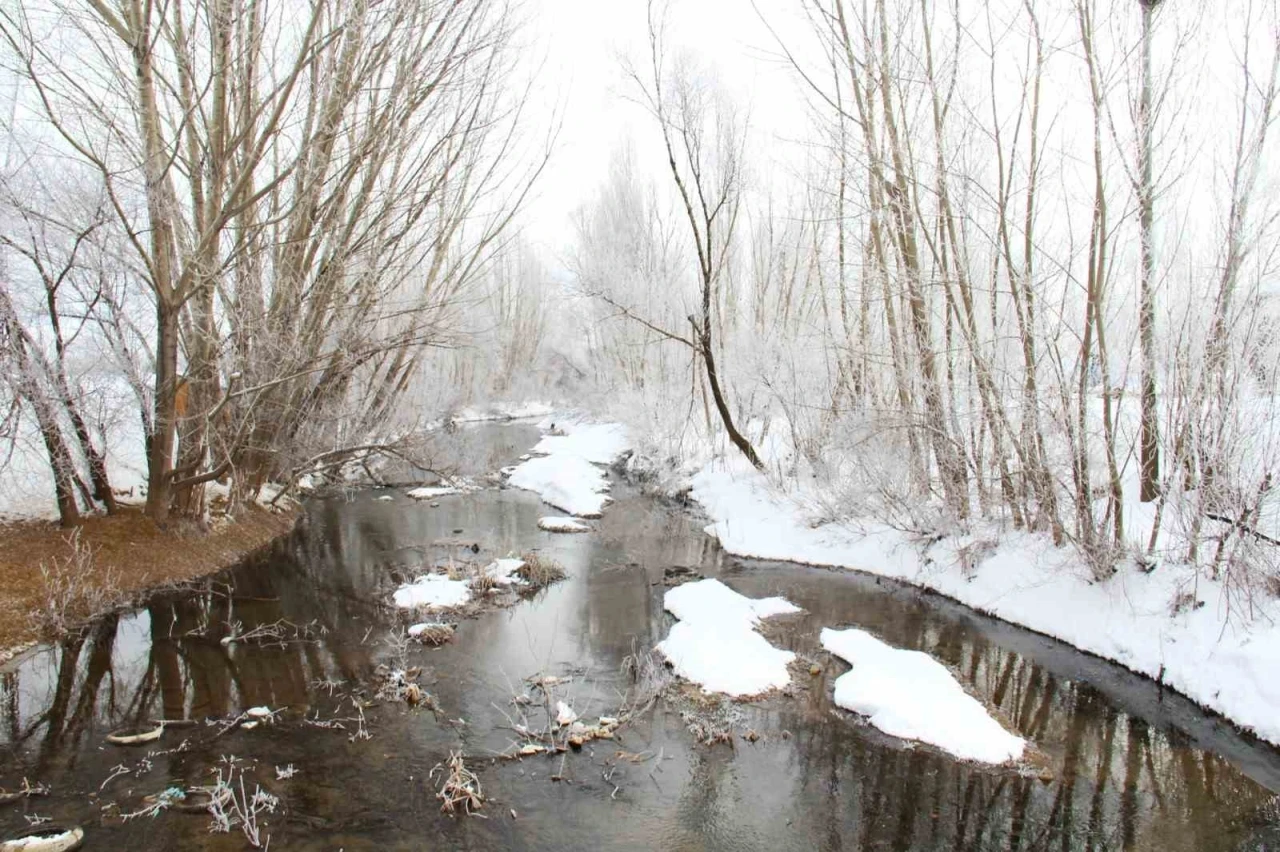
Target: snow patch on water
[(566, 472), (563, 525), (910, 695), (432, 591), (715, 643)]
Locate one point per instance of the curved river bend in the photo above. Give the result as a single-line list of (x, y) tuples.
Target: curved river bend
[(1129, 767)]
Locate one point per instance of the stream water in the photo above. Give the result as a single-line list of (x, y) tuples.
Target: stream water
[(1123, 764)]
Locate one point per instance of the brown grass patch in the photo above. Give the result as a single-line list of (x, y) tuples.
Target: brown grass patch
[(539, 571), (130, 554)]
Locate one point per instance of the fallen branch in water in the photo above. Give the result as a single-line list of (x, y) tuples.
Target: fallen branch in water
[(461, 788)]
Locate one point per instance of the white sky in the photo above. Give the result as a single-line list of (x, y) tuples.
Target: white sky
[(583, 40)]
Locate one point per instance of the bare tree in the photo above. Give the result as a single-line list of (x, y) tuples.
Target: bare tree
[(1149, 482), (704, 138), (305, 198)]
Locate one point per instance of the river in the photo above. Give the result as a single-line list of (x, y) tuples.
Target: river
[(1122, 763)]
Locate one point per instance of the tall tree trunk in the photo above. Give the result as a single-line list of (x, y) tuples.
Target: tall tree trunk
[(164, 419), (28, 385), (1150, 438)]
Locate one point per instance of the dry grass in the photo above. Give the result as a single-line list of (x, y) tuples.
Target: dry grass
[(649, 678), (74, 588), (130, 554), (483, 583), (539, 571), (434, 634)]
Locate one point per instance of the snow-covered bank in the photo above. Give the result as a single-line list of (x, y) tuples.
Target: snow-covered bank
[(498, 411), (1223, 664), (909, 694), (565, 470), (715, 643)]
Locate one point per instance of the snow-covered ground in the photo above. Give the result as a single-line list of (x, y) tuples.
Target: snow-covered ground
[(715, 643), (909, 694), (566, 469), (1222, 663)]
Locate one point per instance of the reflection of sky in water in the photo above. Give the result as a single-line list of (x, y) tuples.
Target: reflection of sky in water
[(1132, 768)]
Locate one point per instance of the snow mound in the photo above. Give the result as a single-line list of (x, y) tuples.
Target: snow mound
[(566, 474), (710, 601), (910, 695), (569, 483), (430, 492), (416, 630), (503, 571), (563, 525), (598, 443), (433, 591), (715, 644)]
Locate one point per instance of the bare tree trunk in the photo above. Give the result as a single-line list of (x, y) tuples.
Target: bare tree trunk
[(1150, 439), (28, 387)]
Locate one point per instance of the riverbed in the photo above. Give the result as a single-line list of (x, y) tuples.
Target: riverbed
[(1120, 763)]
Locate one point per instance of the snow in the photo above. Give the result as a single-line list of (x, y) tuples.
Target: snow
[(1225, 665), (416, 630), (712, 602), (433, 591), (430, 492), (910, 695), (565, 714), (503, 571), (599, 443), (715, 643), (562, 525), (565, 471), (504, 411)]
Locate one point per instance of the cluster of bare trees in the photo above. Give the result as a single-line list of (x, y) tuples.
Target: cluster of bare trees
[(278, 208), (1026, 262)]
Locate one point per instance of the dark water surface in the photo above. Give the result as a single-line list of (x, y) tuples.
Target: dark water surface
[(1130, 768)]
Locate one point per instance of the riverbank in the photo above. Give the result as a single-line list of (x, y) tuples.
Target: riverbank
[(52, 578), (1120, 760), (1175, 625)]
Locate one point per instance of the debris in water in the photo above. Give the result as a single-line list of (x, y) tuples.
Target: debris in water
[(565, 714), (26, 791), (135, 736), (461, 788), (678, 574)]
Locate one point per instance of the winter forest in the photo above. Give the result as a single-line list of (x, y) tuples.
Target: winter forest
[(985, 290)]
